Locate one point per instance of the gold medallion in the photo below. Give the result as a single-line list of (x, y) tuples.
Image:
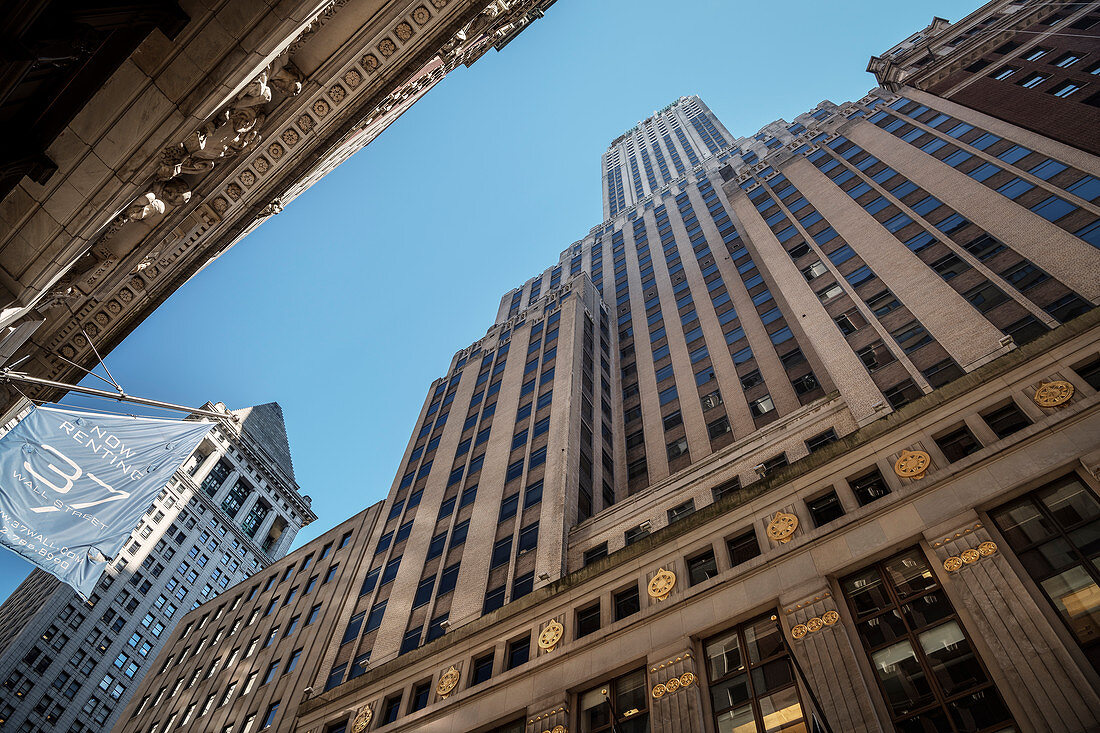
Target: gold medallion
[(673, 684), (969, 556), (912, 464), (662, 584), (362, 720), (447, 682), (782, 527), (952, 564), (1053, 394), (815, 624), (830, 617), (687, 679), (987, 548), (800, 631), (551, 635), (658, 691)]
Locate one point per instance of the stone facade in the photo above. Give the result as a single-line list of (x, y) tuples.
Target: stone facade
[(793, 434), (229, 512), (193, 141)]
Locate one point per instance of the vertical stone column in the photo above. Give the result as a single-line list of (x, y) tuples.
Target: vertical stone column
[(825, 646), (1040, 681), (206, 467), (553, 718), (223, 490), (675, 694)]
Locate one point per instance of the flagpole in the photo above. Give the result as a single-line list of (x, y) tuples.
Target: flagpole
[(120, 396)]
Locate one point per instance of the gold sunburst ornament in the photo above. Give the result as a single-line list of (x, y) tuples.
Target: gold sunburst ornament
[(551, 635), (658, 691), (800, 631), (687, 679), (912, 464), (987, 548), (830, 617), (362, 720), (782, 527), (447, 682), (1053, 394), (662, 584), (952, 564)]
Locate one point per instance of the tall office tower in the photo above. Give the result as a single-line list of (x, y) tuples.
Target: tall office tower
[(227, 513), (827, 397)]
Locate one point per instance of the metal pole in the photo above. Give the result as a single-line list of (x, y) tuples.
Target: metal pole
[(611, 707), (802, 676), (120, 396)]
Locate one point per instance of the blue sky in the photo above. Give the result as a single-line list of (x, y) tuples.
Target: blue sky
[(344, 307)]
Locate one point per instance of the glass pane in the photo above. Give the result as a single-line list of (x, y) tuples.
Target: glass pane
[(979, 710), (630, 692), (740, 720), (1075, 595), (1087, 539), (724, 656), (910, 573), (1070, 503), (902, 678), (639, 724), (1023, 524), (594, 708), (763, 639), (782, 713), (731, 693), (933, 721), (952, 660), (772, 675), (1048, 557), (866, 592), (927, 609), (882, 629)]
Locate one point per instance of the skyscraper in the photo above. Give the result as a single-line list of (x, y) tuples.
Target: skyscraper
[(805, 428), (231, 510)]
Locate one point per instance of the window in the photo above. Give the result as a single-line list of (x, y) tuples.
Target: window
[(528, 538), (519, 651), (1065, 89), (677, 448), (448, 578), (1049, 530), (374, 619), (629, 701), (502, 552), (918, 649), (677, 513), (626, 602), (336, 676), (269, 716), (1005, 420), (751, 679), (761, 406), (1003, 73), (634, 534), (743, 547), (411, 640), (351, 633), (825, 509), (820, 441), (481, 669), (313, 613), (702, 567), (985, 296), (420, 695), (596, 553), (958, 443), (869, 486), (391, 708), (588, 620)]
